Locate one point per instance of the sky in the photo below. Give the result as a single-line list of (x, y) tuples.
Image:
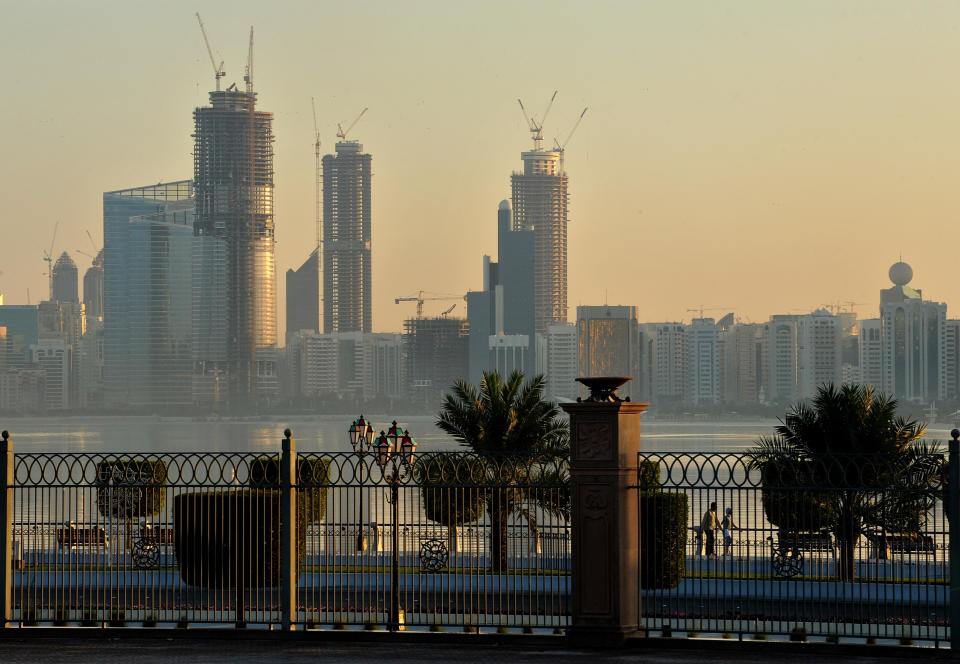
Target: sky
[(749, 156)]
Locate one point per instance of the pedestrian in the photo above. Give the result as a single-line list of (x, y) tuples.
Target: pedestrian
[(726, 526), (708, 530)]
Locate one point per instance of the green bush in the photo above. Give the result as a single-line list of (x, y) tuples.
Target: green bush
[(648, 475), (663, 539), (228, 539), (312, 474), (131, 488), (790, 507), (448, 487)]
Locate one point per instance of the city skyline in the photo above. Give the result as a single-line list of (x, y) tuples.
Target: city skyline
[(718, 177)]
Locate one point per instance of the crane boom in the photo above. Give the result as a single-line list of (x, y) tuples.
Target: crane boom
[(218, 72), (343, 134), (248, 78), (544, 118)]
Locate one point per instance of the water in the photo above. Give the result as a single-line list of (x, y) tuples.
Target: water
[(328, 433)]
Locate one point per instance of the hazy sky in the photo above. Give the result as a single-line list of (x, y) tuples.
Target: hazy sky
[(763, 157)]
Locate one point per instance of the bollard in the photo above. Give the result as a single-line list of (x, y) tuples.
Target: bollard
[(6, 523), (289, 571), (953, 498)]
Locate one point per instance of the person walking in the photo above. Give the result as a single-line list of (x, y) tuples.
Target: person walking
[(726, 526), (708, 530)]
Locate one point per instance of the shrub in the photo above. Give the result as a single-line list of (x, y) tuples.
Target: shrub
[(798, 633), (663, 539), (313, 475), (648, 475), (131, 488), (448, 488), (118, 618), (789, 507), (231, 538)]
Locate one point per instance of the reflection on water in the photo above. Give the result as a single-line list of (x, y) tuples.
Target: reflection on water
[(329, 434)]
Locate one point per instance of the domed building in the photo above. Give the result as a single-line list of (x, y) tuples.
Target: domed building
[(913, 340)]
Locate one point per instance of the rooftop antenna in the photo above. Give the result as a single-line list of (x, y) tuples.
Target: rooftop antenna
[(536, 128), (341, 134), (248, 76), (218, 72)]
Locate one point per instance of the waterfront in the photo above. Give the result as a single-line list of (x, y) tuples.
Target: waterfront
[(329, 434)]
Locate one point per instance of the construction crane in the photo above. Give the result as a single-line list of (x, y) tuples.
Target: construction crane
[(701, 309), (536, 128), (317, 173), (341, 134), (48, 257), (562, 148), (248, 76), (218, 72), (444, 314), (420, 299)]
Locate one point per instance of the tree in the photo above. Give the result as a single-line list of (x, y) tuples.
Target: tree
[(523, 445), (852, 463)]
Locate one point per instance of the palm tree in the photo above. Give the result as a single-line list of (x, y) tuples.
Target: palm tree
[(523, 444), (850, 458)]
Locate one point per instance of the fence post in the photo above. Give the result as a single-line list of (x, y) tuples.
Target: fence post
[(6, 523), (289, 571), (605, 526), (953, 496)]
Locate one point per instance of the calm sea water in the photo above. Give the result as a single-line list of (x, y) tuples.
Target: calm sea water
[(329, 434)]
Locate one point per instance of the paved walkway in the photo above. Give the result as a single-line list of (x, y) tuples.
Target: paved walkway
[(166, 650)]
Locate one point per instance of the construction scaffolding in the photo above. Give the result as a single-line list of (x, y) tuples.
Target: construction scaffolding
[(540, 205), (233, 177), (437, 355)]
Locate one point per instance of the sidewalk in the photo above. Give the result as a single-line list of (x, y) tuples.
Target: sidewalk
[(216, 649)]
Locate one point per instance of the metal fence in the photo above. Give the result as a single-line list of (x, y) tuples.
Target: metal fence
[(832, 546), (432, 540)]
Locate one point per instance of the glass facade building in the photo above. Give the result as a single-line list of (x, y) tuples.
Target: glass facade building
[(148, 295)]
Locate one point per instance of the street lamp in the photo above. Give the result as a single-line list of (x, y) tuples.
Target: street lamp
[(394, 450), (361, 437)]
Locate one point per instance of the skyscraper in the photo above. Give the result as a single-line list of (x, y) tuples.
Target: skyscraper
[(346, 239), (303, 296), (65, 280), (93, 289), (233, 180), (540, 205), (609, 343)]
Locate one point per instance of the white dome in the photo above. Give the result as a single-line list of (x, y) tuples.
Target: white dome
[(901, 273), (504, 205)]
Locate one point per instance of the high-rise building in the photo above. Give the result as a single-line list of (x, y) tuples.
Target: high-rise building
[(346, 239), (871, 353), (818, 352), (93, 289), (540, 205), (663, 353), (65, 280), (778, 346), (741, 362), (914, 338), (303, 296), (951, 360), (563, 357), (234, 183), (437, 356), (23, 330), (609, 343), (148, 295), (701, 355)]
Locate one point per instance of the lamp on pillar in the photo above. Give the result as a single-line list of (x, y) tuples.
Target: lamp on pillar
[(604, 447)]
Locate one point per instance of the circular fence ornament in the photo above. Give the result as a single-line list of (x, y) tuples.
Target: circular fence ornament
[(787, 562), (433, 555), (146, 554)]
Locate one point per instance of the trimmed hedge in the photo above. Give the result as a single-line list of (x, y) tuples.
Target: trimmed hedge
[(445, 488), (119, 500), (229, 539), (312, 474), (663, 531)]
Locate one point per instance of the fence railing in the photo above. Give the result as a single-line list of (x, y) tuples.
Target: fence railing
[(839, 547), (446, 540)]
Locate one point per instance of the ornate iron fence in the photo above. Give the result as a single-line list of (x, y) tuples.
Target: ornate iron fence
[(838, 546), (444, 540)]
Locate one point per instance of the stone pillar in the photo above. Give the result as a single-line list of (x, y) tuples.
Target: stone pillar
[(605, 440)]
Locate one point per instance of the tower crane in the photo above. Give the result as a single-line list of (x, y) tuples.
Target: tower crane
[(48, 257), (420, 299), (701, 309), (248, 76), (562, 148), (453, 306), (341, 134), (218, 72), (316, 158), (536, 128)]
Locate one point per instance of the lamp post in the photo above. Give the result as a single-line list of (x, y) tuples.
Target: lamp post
[(361, 437), (394, 452)]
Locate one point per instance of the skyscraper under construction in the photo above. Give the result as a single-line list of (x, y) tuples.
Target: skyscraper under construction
[(234, 277), (540, 205), (346, 239)]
